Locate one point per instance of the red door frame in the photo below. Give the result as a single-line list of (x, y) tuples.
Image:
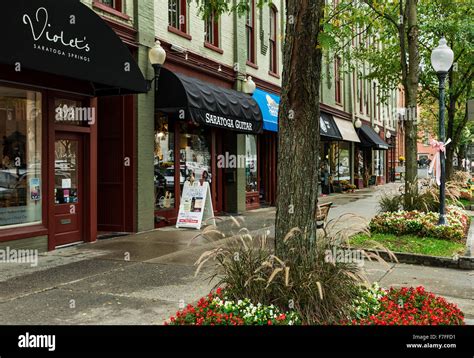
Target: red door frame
[(89, 169), (62, 209)]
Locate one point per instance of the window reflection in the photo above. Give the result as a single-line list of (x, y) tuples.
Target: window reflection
[(164, 164), (20, 157), (195, 153), (66, 171), (251, 173)]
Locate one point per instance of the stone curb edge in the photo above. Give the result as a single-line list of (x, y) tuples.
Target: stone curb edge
[(462, 262)]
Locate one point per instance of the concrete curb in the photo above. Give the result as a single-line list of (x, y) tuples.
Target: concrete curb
[(470, 241), (460, 263)]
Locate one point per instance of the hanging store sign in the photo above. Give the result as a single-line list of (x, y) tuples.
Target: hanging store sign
[(67, 38), (224, 122)]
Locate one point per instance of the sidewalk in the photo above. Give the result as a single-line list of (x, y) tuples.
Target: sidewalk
[(145, 278)]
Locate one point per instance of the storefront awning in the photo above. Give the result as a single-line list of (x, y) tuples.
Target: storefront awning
[(369, 138), (346, 128), (328, 128), (268, 103), (67, 38), (207, 104)]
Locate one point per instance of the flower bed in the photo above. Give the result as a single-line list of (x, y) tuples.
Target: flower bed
[(407, 306), (422, 224), (375, 306), (216, 310)]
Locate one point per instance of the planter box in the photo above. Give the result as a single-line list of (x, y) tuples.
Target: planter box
[(359, 183)]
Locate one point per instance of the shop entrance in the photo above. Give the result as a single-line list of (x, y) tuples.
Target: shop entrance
[(68, 188)]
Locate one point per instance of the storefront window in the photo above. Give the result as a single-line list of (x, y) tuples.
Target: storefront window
[(343, 166), (164, 164), (195, 153), (251, 173), (20, 166), (379, 165), (336, 160)]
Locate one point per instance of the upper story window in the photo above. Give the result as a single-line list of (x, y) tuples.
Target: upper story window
[(273, 40), (361, 95), (114, 4), (338, 80), (375, 112), (250, 31), (211, 30), (177, 14)]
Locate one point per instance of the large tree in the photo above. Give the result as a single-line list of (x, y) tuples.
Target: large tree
[(298, 149), (450, 19), (392, 56)]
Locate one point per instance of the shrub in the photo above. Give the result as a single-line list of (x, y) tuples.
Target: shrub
[(413, 306), (389, 203), (425, 199), (460, 179), (466, 195), (422, 224), (216, 309), (300, 277)]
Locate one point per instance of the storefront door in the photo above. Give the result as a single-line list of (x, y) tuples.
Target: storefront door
[(68, 188)]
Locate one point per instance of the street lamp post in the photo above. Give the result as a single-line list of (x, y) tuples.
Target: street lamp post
[(249, 86), (157, 57), (441, 59)]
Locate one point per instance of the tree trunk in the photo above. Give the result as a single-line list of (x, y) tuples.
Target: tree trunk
[(298, 150), (449, 160), (461, 157), (411, 94)]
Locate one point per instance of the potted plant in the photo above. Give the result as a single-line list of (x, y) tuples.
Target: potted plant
[(351, 187), (344, 184)]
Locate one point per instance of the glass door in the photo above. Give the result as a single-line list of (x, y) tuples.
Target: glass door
[(68, 188)]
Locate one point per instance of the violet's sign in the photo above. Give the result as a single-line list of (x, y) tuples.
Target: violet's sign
[(66, 38), (47, 40)]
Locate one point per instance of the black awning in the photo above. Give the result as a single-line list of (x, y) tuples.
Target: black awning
[(369, 138), (207, 104), (67, 38), (328, 128)]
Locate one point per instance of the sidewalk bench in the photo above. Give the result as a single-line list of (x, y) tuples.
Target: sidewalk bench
[(322, 213)]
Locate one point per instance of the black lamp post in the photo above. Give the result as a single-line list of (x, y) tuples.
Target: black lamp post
[(441, 59), (157, 57)]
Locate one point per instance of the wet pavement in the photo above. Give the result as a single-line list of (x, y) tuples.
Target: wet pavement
[(145, 278)]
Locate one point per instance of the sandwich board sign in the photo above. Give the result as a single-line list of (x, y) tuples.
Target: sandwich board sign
[(195, 206)]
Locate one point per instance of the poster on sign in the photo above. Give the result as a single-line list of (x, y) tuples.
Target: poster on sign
[(195, 206)]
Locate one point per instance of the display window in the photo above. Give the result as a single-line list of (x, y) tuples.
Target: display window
[(195, 153), (20, 165), (336, 160), (251, 165), (379, 163), (164, 160), (343, 164)]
